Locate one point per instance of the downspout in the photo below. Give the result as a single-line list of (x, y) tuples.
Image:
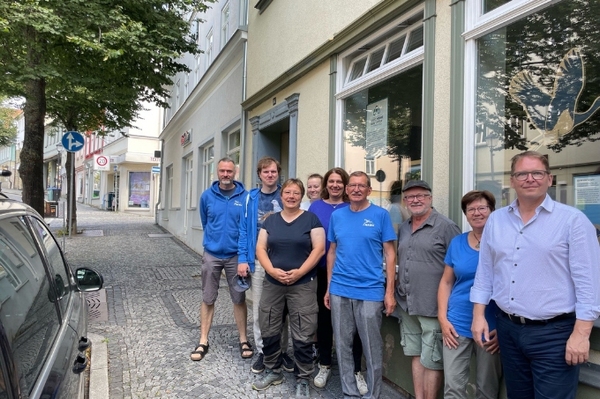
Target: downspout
[(244, 112), (158, 200)]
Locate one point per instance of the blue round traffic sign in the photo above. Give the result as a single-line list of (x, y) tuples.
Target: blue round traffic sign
[(73, 141)]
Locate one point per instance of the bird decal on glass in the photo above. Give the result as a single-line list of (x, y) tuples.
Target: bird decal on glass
[(554, 114)]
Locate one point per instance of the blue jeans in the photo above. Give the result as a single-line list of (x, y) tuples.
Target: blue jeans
[(533, 359)]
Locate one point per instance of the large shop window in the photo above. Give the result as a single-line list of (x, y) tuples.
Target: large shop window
[(538, 88), (139, 189), (382, 130)]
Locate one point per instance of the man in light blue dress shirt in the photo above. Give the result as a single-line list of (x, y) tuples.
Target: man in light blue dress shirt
[(540, 262)]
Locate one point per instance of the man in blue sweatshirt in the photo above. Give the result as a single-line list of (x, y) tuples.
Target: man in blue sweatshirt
[(221, 209), (258, 205)]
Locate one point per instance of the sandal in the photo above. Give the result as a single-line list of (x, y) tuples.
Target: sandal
[(199, 353), (245, 347)]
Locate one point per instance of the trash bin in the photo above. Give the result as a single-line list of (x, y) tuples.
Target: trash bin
[(53, 194), (111, 197)]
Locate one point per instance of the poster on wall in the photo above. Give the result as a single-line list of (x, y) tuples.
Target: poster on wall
[(587, 197), (377, 129), (139, 189)]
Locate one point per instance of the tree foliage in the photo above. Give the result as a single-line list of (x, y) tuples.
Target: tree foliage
[(88, 65), (8, 128)]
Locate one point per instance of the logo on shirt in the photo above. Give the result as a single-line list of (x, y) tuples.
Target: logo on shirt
[(368, 223), (237, 203)]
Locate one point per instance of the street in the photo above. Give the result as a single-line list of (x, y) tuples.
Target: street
[(148, 312)]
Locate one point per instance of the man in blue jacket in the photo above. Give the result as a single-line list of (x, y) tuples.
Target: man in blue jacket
[(221, 208), (258, 205)]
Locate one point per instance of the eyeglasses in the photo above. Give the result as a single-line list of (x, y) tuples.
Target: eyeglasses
[(418, 197), (354, 185), (480, 209), (536, 174)]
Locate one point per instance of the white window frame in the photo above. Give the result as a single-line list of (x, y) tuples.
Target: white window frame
[(169, 173), (225, 20), (395, 67), (370, 166)]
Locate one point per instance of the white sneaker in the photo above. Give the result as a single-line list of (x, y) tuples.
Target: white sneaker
[(361, 383), (323, 376)]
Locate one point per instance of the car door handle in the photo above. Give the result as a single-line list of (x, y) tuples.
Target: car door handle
[(80, 363)]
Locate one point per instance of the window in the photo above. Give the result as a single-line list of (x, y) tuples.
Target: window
[(233, 150), (208, 166), (224, 24), (209, 48), (139, 189), (507, 119), (370, 166), (56, 264), (189, 174), (392, 46), (382, 125)]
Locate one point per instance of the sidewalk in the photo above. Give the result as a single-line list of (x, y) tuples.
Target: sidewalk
[(149, 321)]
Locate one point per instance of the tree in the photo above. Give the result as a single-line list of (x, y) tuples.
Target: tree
[(8, 128), (88, 65)]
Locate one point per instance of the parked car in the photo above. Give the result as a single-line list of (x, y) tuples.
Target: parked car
[(43, 313)]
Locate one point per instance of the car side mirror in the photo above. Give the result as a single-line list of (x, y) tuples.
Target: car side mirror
[(88, 279)]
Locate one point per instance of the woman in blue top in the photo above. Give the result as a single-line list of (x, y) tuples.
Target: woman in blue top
[(455, 310)]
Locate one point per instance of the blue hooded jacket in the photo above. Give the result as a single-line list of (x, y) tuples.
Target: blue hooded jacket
[(221, 217), (248, 229)]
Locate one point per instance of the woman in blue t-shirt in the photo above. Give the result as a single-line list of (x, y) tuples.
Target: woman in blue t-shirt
[(455, 310)]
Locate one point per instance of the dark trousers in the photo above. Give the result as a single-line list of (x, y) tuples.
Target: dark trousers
[(533, 359), (324, 329)]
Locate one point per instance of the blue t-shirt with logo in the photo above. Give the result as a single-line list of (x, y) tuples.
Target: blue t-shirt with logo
[(464, 259), (358, 271)]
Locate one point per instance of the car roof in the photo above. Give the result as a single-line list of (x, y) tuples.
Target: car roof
[(10, 206)]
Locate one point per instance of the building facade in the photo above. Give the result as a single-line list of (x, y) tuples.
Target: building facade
[(447, 91)]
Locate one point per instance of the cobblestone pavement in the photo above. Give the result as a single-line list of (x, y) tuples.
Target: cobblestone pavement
[(152, 290)]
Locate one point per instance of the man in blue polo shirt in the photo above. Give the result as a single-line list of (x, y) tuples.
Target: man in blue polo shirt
[(359, 288)]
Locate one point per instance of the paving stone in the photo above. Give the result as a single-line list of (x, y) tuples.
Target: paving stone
[(153, 295)]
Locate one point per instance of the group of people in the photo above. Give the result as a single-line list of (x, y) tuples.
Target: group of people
[(519, 290)]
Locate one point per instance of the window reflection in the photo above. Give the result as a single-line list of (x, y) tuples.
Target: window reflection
[(382, 130), (538, 88)]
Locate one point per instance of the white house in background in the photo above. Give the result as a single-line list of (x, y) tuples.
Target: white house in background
[(204, 121)]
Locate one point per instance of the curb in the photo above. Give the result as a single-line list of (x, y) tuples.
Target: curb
[(98, 367)]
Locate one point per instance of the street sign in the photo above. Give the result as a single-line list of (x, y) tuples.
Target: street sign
[(101, 162), (72, 141), (156, 169)]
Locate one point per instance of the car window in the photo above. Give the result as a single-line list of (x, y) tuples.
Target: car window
[(3, 380), (56, 263), (28, 310)]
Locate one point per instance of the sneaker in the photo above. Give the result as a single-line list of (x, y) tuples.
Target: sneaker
[(288, 362), (361, 383), (259, 365), (271, 377), (323, 376), (302, 389)]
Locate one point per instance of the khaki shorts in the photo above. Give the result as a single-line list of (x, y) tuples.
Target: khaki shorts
[(422, 336)]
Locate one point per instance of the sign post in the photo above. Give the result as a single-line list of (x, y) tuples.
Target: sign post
[(72, 142)]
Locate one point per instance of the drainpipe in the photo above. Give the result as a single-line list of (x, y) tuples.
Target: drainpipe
[(159, 199), (244, 112)]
